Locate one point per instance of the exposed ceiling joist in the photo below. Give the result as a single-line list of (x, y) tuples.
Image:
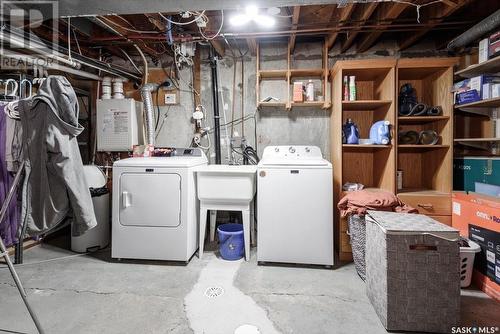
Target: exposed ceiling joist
[(295, 21), (366, 11), (388, 13), (344, 15), (439, 13), (107, 7)]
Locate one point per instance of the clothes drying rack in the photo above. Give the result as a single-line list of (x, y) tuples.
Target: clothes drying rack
[(5, 254)]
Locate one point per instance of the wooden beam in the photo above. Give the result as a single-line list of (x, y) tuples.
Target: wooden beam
[(439, 13), (252, 45), (367, 11), (219, 47), (295, 21), (155, 19), (344, 15), (388, 13)]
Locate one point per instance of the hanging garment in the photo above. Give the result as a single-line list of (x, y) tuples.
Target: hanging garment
[(8, 228), (54, 187), (13, 137)]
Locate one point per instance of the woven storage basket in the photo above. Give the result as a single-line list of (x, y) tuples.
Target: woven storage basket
[(357, 236)]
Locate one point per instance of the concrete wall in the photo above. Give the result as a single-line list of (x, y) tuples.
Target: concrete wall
[(274, 126)]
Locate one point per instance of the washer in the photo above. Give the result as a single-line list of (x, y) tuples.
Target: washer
[(295, 206), (155, 209)]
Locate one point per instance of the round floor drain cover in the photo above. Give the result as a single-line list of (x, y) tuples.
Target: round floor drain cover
[(214, 291), (247, 329)]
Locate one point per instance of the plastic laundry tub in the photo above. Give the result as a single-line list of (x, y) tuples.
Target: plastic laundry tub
[(467, 255), (231, 241)]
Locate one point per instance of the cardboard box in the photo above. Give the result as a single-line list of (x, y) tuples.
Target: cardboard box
[(298, 91), (478, 218), (473, 89), (484, 45), (494, 48)]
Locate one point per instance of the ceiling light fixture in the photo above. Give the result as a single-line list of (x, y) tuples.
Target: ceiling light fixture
[(252, 14)]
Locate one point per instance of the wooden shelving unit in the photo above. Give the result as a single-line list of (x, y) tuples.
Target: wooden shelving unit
[(372, 165), (490, 66), (475, 132), (287, 76), (427, 169)]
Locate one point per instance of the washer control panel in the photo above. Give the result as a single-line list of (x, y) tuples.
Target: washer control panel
[(292, 152)]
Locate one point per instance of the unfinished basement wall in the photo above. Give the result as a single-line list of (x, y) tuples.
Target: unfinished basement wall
[(274, 126)]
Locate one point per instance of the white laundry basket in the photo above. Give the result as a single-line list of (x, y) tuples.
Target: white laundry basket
[(98, 237), (467, 255)]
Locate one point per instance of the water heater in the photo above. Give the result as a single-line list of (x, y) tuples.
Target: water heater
[(119, 124)]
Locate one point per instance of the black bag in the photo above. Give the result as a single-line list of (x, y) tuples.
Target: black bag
[(407, 99)]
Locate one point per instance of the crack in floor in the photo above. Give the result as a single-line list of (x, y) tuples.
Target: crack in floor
[(296, 294), (78, 291)]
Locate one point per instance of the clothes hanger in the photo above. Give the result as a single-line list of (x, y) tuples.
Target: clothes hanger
[(30, 86)]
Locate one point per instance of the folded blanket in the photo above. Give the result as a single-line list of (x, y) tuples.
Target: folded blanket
[(358, 202)]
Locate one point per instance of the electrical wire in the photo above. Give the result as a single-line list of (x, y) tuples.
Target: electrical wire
[(129, 29), (218, 32), (200, 15), (130, 60), (77, 43)]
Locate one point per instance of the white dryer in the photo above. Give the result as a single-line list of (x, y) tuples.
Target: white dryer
[(155, 208), (295, 206)]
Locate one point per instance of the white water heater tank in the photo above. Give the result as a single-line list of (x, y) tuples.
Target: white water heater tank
[(119, 124)]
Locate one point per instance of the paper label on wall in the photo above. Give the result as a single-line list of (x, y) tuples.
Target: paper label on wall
[(115, 121), (457, 208)]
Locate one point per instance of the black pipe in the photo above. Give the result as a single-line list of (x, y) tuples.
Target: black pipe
[(215, 95), (484, 27)]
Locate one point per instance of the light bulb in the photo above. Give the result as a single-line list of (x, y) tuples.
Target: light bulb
[(265, 21), (252, 11), (239, 20)]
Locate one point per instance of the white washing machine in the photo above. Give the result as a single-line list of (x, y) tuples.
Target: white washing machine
[(295, 206), (155, 208)]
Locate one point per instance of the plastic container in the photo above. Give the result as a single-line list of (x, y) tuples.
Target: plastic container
[(231, 241), (467, 255), (98, 237), (310, 91)]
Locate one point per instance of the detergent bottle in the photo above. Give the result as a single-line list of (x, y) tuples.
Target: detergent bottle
[(350, 132)]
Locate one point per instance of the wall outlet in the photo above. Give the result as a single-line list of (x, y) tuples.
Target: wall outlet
[(170, 98)]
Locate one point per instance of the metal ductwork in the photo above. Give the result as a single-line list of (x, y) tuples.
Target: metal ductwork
[(147, 99), (484, 27)]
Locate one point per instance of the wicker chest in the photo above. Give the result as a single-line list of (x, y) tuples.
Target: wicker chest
[(412, 272)]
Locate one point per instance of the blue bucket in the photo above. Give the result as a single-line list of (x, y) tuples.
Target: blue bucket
[(231, 241)]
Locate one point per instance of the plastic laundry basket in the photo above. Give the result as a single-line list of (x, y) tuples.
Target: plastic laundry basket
[(357, 236), (231, 241), (467, 255)]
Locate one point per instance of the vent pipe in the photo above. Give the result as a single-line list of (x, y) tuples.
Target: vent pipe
[(147, 99), (484, 27)]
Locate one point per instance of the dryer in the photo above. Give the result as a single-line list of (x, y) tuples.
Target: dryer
[(155, 209), (295, 206)]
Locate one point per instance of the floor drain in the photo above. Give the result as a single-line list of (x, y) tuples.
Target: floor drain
[(214, 292), (247, 329)]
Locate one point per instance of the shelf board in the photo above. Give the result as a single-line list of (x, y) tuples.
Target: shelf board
[(489, 103), (365, 104), (273, 74), (308, 104), (421, 192), (303, 73), (477, 139), (272, 104), (422, 147), (420, 119), (490, 66), (365, 147)]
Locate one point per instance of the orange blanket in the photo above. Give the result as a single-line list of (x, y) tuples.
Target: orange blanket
[(358, 202)]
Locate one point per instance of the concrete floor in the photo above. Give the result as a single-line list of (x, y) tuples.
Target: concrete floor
[(94, 294)]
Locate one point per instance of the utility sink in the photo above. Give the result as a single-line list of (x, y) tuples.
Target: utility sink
[(226, 183)]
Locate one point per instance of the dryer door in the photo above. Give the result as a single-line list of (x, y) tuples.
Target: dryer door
[(150, 199)]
